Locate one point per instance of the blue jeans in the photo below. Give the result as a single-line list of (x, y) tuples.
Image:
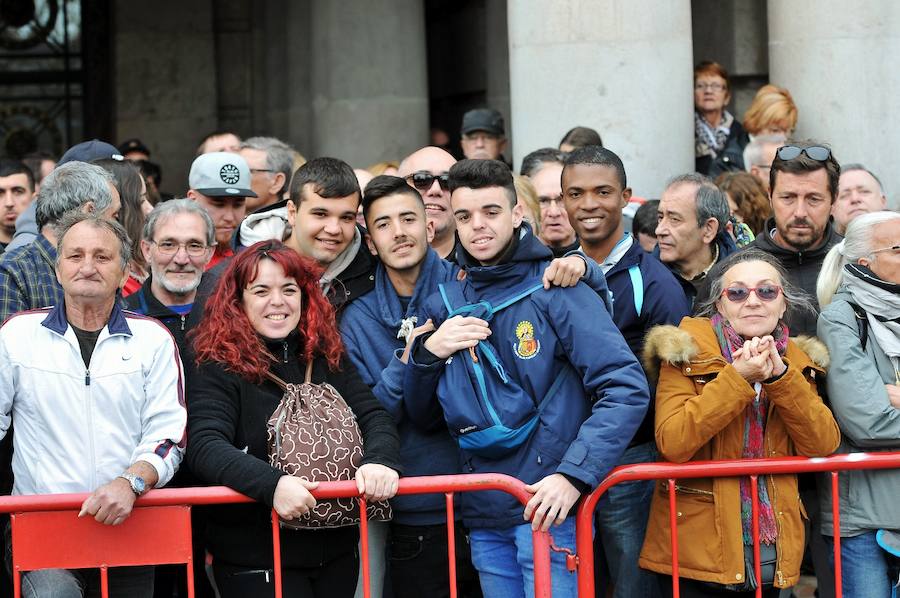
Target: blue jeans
[(621, 522), (124, 582), (504, 559), (864, 566)]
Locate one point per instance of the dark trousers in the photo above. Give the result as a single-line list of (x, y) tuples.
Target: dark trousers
[(171, 580), (335, 578), (690, 588), (419, 562)]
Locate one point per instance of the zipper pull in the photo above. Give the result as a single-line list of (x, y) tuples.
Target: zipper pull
[(182, 323), (284, 343), (87, 377)]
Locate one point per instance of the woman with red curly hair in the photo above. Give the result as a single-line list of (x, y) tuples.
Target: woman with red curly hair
[(267, 314)]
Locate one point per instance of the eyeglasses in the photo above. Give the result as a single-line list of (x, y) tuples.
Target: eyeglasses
[(424, 180), (709, 86), (892, 248), (192, 248), (813, 152), (765, 292)]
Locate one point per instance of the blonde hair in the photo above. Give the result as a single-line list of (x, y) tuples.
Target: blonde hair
[(772, 106), (527, 194), (380, 167), (856, 245)]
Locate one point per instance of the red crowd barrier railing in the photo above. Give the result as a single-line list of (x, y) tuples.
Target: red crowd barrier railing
[(159, 528), (753, 468)]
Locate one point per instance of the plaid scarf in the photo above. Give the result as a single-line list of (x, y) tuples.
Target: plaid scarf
[(754, 434), (709, 141)]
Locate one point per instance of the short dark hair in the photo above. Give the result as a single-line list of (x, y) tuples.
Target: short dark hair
[(10, 167), (481, 174), (329, 177), (581, 137), (857, 166), (803, 164), (384, 185), (534, 161), (596, 155), (646, 217), (709, 200), (208, 136)]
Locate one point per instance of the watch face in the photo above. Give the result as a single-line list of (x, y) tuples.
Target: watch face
[(138, 485)]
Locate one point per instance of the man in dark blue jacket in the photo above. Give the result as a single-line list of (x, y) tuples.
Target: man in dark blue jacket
[(375, 328), (644, 294), (551, 338)]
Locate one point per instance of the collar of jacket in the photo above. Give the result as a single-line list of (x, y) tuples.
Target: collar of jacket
[(693, 347), (765, 242), (57, 322), (390, 311)]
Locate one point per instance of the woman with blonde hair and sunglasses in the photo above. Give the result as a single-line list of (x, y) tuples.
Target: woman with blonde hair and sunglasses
[(733, 385)]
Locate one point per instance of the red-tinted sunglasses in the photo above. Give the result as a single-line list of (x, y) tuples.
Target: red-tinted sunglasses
[(765, 292)]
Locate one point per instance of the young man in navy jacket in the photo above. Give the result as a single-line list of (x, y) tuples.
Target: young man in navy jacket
[(559, 337), (644, 294), (375, 328)]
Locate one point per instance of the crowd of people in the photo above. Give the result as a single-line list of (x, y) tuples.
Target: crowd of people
[(285, 322)]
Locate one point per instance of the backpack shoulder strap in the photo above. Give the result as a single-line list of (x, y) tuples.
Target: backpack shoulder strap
[(518, 296), (862, 324), (637, 285)]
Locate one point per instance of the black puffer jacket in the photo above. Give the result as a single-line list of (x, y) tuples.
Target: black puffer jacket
[(802, 271), (227, 418)]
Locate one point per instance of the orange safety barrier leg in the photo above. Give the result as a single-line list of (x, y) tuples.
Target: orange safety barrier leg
[(451, 542)]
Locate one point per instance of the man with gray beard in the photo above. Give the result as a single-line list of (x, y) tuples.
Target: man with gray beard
[(178, 241)]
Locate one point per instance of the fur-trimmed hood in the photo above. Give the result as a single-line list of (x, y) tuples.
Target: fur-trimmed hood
[(678, 345)]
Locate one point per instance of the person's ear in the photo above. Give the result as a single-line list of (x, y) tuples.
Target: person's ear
[(371, 245), (863, 261), (277, 183), (626, 196), (518, 214), (502, 145), (709, 231), (145, 250), (88, 207), (291, 212), (429, 230)]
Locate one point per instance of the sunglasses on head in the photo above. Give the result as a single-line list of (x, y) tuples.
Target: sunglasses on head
[(813, 152), (424, 180), (765, 292)]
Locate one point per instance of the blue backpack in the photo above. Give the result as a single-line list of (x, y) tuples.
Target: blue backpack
[(487, 413)]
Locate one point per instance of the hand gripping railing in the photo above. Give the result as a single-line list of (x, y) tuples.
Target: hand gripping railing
[(719, 469), (46, 532)]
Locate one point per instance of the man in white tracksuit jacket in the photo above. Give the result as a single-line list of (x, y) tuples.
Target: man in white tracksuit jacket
[(96, 394)]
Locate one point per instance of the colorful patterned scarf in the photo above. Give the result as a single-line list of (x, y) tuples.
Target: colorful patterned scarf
[(754, 434)]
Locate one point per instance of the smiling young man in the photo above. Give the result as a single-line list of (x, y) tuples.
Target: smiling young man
[(645, 294), (543, 340)]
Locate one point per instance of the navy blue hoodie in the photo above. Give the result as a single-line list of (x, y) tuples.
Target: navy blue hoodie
[(369, 328), (587, 425)]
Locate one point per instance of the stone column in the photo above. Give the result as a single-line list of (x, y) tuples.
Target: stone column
[(369, 82), (623, 67), (838, 58)]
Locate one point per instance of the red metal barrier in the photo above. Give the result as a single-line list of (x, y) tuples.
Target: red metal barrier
[(718, 469), (130, 544)]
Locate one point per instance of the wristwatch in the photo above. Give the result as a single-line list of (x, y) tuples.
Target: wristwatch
[(137, 482)]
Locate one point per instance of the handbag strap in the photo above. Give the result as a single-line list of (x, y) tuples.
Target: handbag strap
[(281, 383)]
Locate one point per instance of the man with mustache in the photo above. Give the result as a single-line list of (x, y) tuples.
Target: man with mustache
[(178, 241), (803, 185)]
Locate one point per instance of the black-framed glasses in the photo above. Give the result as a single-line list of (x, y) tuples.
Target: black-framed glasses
[(765, 292), (192, 248), (813, 152), (424, 180), (893, 248)]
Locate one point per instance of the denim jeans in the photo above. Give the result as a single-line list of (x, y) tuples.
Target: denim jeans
[(419, 562), (124, 582), (378, 533), (864, 566), (621, 522), (504, 559)]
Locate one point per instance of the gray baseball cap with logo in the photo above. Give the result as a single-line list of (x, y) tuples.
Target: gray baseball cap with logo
[(221, 174)]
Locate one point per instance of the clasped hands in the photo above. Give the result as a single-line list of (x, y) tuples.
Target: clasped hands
[(758, 360)]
